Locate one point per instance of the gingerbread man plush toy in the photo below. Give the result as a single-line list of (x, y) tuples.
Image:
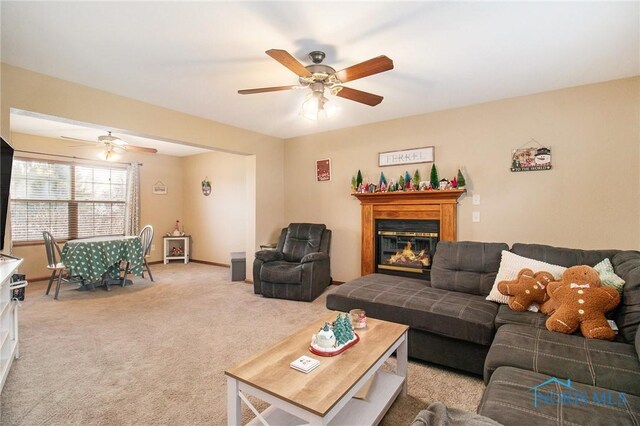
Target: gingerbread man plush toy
[(583, 303), (528, 288)]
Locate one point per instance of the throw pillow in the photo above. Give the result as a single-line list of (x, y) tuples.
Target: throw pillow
[(608, 277), (510, 265)]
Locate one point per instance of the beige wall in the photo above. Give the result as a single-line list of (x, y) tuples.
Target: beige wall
[(158, 210), (216, 223), (590, 199), (29, 91)]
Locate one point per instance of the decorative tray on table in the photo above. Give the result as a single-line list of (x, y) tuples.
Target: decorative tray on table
[(334, 338)]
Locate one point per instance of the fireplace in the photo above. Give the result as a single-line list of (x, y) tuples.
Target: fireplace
[(422, 206), (406, 247)]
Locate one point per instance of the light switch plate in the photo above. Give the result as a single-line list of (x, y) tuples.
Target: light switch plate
[(475, 217), (476, 199)]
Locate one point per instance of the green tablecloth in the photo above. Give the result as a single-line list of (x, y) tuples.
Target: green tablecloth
[(91, 258)]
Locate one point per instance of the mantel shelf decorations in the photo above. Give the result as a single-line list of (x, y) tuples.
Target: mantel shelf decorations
[(406, 183)]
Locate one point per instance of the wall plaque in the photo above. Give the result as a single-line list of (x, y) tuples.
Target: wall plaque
[(406, 156)]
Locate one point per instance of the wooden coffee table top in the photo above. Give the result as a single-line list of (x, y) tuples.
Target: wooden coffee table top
[(319, 390)]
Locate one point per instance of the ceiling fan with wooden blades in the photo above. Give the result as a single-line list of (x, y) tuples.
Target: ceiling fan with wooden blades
[(319, 77), (114, 144)]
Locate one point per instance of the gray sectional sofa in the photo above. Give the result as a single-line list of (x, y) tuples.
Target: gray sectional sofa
[(452, 324)]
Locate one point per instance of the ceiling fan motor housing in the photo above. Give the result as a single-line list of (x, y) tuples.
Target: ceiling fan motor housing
[(320, 73)]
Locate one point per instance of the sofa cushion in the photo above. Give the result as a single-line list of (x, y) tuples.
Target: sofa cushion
[(280, 271), (507, 316), (509, 399), (510, 266), (626, 264), (412, 302), (562, 256), (466, 266), (610, 365), (608, 277), (302, 239)]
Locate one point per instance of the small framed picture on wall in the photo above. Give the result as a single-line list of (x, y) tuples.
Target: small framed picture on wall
[(323, 170), (159, 188)]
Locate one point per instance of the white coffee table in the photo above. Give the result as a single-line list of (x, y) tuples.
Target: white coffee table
[(325, 395)]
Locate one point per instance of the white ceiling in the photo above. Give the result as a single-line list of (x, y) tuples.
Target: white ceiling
[(194, 56)]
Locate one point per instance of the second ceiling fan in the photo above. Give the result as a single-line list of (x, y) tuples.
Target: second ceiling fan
[(319, 77), (113, 145)]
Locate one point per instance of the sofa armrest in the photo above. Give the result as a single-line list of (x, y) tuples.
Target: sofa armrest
[(314, 257), (269, 255)]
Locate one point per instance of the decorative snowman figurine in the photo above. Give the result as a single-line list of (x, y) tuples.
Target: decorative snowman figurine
[(325, 337)]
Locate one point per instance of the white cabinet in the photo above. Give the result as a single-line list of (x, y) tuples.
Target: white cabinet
[(8, 318), (176, 248)]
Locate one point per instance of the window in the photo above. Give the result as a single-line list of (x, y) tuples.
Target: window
[(69, 200)]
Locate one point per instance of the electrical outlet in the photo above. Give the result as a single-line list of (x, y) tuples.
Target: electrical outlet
[(476, 199), (153, 247), (475, 217)]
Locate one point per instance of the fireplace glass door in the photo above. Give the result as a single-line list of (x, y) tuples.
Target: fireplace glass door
[(406, 247)]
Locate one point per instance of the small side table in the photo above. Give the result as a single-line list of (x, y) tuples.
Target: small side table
[(179, 244)]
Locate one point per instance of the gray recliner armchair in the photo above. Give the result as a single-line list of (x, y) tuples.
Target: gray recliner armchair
[(299, 268)]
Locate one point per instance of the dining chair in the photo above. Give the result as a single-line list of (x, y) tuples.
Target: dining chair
[(146, 236), (56, 266)]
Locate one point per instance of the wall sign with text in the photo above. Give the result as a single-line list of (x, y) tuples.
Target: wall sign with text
[(406, 156), (530, 159), (323, 170)]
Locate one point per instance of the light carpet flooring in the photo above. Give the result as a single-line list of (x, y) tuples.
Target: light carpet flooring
[(154, 353)]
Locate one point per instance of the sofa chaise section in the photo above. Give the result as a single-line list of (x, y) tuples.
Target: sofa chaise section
[(611, 365), (521, 397), (450, 321)]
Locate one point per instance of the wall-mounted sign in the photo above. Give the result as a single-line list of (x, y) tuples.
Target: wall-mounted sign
[(323, 170), (406, 156), (530, 159), (159, 188)]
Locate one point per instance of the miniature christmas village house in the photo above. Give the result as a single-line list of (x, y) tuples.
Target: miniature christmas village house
[(335, 338)]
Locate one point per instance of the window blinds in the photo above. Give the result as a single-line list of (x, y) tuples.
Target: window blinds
[(69, 200)]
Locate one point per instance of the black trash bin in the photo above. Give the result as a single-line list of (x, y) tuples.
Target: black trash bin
[(238, 266)]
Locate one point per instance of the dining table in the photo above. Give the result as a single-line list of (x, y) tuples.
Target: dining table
[(98, 259)]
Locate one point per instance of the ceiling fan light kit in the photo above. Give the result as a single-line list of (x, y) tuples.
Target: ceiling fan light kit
[(319, 77), (109, 154), (316, 104)]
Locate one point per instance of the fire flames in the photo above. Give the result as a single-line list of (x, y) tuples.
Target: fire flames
[(408, 257)]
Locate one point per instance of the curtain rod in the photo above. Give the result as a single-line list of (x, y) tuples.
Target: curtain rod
[(74, 157)]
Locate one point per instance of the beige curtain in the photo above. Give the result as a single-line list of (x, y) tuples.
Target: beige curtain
[(132, 213)]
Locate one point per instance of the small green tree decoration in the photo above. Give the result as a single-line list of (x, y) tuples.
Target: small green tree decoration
[(382, 179), (407, 180), (416, 180), (358, 179), (342, 329), (354, 184), (349, 326), (461, 182), (433, 179), (401, 183)]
